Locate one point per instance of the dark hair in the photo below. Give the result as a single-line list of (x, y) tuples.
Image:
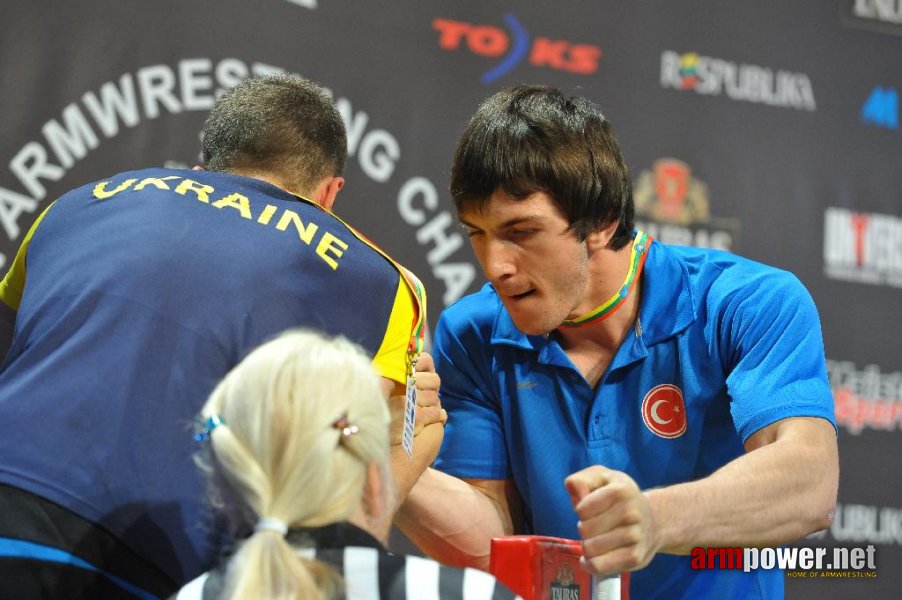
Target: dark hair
[(278, 123), (527, 139)]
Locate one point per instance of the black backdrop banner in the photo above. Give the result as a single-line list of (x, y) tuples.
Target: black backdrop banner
[(767, 129)]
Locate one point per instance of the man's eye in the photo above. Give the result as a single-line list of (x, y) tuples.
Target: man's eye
[(472, 232), (522, 233)]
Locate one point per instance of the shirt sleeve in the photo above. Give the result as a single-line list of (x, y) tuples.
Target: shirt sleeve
[(775, 355), (13, 283), (473, 446), (391, 357)]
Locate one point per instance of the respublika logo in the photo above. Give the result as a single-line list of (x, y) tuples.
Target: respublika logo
[(865, 398), (863, 247), (514, 46), (863, 524), (882, 108), (672, 206), (750, 83)]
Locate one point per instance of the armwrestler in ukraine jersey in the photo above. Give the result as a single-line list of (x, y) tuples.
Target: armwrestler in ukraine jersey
[(132, 296)]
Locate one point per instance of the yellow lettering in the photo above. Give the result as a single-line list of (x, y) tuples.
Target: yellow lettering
[(157, 182), (305, 232), (236, 201), (202, 191), (100, 189), (267, 214), (330, 243)]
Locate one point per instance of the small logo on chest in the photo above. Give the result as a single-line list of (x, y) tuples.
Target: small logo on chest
[(664, 411)]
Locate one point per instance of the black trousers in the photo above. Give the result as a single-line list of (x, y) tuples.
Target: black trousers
[(49, 552)]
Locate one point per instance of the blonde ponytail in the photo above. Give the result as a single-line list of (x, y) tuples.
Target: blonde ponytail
[(298, 423), (267, 567)]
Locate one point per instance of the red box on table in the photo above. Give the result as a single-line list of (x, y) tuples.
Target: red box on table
[(543, 568)]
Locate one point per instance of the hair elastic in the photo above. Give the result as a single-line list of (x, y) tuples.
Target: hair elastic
[(202, 432), (269, 524)]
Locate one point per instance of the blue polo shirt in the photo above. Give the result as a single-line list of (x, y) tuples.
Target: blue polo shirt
[(723, 346)]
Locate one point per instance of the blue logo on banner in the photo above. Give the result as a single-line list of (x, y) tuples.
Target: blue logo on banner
[(882, 108), (519, 49)]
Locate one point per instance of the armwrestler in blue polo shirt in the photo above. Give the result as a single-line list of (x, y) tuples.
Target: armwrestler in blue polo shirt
[(602, 386)]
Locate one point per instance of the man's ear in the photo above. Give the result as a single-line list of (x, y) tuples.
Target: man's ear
[(327, 190), (600, 238)]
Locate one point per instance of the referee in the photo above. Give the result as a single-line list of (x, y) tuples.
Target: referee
[(297, 443)]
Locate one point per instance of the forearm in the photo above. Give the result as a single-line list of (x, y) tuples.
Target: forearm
[(452, 521), (406, 470), (772, 495)]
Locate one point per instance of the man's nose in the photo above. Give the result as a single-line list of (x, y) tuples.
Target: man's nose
[(497, 260)]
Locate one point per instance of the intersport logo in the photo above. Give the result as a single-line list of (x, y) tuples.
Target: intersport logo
[(863, 247), (514, 46), (709, 76)]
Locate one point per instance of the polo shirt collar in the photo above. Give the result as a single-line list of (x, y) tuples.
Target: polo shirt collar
[(668, 299)]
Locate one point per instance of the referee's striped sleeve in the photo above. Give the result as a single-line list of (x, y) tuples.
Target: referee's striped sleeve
[(479, 585), (363, 565), (370, 574), (194, 590), (429, 580)]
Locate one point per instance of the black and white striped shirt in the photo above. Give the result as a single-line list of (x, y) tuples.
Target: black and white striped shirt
[(370, 572)]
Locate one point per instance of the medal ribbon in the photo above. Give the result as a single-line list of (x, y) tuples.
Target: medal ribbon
[(638, 253)]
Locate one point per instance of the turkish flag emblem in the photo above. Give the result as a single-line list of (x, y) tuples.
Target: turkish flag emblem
[(664, 411)]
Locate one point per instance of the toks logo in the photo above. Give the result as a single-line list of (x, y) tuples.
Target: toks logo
[(863, 247), (664, 411), (514, 47), (672, 206)]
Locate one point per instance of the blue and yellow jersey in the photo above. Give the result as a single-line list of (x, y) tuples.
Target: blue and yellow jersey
[(133, 297)]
